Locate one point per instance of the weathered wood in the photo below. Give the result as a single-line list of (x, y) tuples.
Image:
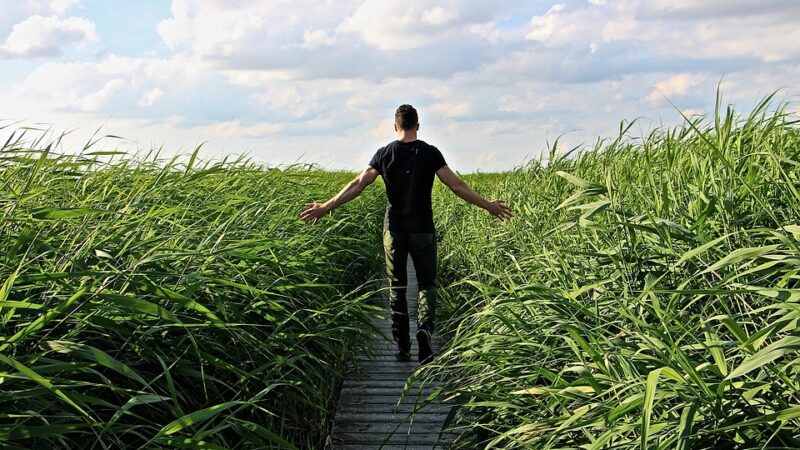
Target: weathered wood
[(384, 417), (390, 403), (402, 408), (393, 446), (373, 409), (414, 440)]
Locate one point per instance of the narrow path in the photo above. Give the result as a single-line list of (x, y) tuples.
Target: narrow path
[(371, 412)]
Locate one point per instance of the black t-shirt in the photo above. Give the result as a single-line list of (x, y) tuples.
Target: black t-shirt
[(408, 169)]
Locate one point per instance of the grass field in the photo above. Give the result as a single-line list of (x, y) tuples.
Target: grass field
[(644, 296), (159, 303)]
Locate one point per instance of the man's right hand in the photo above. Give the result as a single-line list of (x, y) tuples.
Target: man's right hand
[(499, 209)]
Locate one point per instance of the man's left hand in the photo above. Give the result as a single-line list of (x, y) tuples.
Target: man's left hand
[(314, 212)]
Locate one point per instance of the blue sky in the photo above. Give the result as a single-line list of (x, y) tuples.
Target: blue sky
[(318, 81)]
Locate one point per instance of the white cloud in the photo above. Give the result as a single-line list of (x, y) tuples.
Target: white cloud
[(235, 129), (390, 24), (45, 35), (96, 86), (550, 28), (56, 6), (458, 109), (689, 112), (209, 26), (410, 24), (29, 7), (704, 10), (684, 28), (95, 100), (673, 86), (438, 16), (321, 79), (150, 97), (224, 27), (316, 38)]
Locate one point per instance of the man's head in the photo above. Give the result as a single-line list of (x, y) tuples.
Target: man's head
[(406, 118)]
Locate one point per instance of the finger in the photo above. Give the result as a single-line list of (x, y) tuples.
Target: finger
[(310, 205)]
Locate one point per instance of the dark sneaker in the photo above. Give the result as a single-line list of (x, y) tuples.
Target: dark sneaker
[(425, 354), (403, 352), (403, 355)]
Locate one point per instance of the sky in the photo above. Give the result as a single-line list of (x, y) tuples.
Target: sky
[(495, 82)]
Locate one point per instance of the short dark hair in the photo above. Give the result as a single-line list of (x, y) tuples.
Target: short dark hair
[(406, 117)]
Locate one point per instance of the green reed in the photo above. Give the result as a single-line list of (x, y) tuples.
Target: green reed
[(645, 295), (148, 302)]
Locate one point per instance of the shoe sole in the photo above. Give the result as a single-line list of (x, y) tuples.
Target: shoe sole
[(425, 347)]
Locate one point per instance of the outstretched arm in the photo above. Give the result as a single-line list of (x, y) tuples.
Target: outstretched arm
[(350, 191), (460, 187)]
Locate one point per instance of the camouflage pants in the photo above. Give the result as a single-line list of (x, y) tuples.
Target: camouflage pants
[(422, 248)]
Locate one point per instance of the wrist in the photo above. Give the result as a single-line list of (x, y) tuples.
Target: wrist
[(327, 206)]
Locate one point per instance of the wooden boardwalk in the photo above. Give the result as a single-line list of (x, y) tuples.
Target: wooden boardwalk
[(371, 414)]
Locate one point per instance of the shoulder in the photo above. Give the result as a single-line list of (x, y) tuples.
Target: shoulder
[(385, 148), (431, 149), (428, 146), (388, 147), (433, 155)]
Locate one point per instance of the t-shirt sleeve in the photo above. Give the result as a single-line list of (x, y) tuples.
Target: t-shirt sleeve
[(375, 162), (438, 159)]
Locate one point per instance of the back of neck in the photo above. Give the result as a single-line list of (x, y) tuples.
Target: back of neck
[(407, 137)]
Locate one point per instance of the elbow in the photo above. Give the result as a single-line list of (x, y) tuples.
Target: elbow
[(458, 188), (358, 186)]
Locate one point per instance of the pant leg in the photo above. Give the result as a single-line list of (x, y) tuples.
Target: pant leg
[(395, 248), (422, 247)]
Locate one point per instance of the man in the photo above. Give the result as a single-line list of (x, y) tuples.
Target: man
[(407, 166)]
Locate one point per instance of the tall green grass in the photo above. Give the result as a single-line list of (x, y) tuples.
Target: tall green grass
[(150, 303), (644, 296)]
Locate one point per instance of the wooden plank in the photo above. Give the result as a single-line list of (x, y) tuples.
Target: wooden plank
[(380, 359), (382, 417), (419, 440), (377, 373), (368, 387), (373, 406), (389, 447), (381, 397), (389, 365), (418, 432), (402, 408), (365, 384)]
